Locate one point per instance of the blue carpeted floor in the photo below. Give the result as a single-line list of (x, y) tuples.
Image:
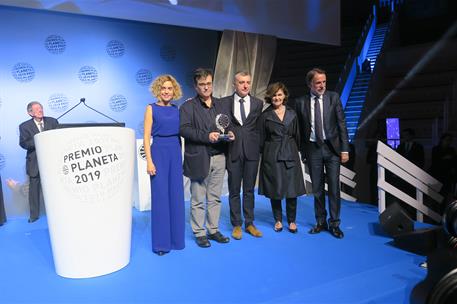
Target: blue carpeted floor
[(278, 268)]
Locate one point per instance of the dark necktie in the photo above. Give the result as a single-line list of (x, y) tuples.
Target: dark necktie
[(318, 122), (242, 112)]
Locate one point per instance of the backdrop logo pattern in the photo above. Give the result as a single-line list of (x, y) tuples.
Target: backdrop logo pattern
[(0, 102), (141, 152), (55, 44), (118, 103), (115, 49), (23, 72), (168, 52), (88, 74), (58, 102), (143, 77), (2, 161)]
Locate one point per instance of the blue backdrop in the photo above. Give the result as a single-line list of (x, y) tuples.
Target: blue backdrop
[(58, 58)]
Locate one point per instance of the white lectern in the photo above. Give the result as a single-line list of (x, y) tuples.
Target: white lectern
[(86, 176)]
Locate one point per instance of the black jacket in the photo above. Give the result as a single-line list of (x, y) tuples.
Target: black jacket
[(333, 120), (280, 174), (247, 135), (193, 128)]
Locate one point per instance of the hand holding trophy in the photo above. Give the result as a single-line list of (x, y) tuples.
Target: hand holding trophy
[(222, 122)]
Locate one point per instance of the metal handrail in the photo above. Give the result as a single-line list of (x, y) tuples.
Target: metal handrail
[(354, 54)]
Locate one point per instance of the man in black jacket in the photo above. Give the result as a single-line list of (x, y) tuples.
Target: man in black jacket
[(27, 130), (243, 153), (325, 144), (204, 159)]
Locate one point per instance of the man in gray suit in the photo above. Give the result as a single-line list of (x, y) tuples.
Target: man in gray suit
[(204, 158), (27, 130), (325, 144)]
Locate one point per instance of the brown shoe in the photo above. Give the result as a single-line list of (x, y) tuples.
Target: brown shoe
[(237, 233), (252, 230)]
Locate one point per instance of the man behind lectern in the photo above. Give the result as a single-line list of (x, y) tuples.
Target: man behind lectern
[(27, 131)]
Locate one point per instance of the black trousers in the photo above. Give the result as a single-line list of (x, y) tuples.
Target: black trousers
[(291, 209), (245, 171), (318, 158), (34, 196)]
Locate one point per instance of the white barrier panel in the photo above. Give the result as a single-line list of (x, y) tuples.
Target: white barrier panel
[(142, 200), (87, 175)]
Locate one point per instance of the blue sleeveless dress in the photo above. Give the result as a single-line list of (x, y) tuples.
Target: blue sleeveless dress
[(167, 192)]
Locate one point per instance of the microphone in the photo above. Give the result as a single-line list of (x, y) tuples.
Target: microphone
[(82, 99)]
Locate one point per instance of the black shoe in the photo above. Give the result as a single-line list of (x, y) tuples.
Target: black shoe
[(31, 220), (318, 228), (161, 253), (336, 232), (202, 241), (218, 237)]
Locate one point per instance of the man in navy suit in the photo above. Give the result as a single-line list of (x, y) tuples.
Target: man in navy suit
[(27, 130), (325, 144), (243, 153)]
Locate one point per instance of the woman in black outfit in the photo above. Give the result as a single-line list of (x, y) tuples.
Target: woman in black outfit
[(280, 170)]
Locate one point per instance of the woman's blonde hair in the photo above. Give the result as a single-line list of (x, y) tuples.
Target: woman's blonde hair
[(156, 86)]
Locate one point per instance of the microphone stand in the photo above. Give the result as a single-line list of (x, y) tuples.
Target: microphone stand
[(83, 101)]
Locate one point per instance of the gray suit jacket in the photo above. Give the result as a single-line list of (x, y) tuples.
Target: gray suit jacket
[(27, 131)]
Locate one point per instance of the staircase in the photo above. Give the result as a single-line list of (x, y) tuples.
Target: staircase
[(354, 105)]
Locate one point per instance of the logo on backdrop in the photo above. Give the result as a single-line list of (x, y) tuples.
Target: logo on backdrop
[(92, 167), (23, 72), (0, 102), (168, 52), (141, 152), (58, 102), (118, 103), (55, 44), (115, 49), (88, 74), (143, 77), (2, 161)]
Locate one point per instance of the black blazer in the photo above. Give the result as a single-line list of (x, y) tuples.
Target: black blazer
[(27, 131), (196, 137), (247, 137), (414, 155), (333, 119)]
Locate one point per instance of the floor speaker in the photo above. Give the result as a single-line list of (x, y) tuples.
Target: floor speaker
[(394, 220)]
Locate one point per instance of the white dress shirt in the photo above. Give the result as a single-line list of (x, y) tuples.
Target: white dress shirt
[(37, 123), (247, 107)]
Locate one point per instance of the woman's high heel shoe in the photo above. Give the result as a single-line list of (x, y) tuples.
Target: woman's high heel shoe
[(293, 230), (276, 228)]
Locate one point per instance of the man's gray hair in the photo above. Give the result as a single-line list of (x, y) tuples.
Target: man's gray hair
[(30, 105)]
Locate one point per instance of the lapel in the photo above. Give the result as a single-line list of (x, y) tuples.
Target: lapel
[(253, 107), (288, 116), (197, 103), (34, 126), (232, 110), (307, 108), (326, 110)]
